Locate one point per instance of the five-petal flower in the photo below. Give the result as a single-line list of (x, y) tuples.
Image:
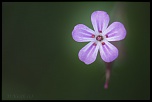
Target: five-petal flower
[(99, 38)]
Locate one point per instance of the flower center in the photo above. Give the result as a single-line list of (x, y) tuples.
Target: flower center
[(99, 38)]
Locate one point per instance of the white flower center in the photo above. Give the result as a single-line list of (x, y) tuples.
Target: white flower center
[(99, 38)]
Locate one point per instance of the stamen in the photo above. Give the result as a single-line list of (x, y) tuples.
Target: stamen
[(92, 36), (100, 31), (103, 43), (94, 44)]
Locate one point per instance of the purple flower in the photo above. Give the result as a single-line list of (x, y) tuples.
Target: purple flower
[(99, 38)]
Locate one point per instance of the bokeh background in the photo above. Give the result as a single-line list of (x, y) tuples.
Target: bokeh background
[(40, 58)]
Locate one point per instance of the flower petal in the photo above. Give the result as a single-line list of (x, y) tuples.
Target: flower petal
[(82, 33), (115, 32), (88, 53), (108, 52), (100, 20)]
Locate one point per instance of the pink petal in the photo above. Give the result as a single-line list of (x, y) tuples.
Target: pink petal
[(100, 20), (88, 53), (82, 33), (108, 52), (115, 32)]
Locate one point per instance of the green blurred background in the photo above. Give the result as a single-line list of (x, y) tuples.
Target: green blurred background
[(40, 58)]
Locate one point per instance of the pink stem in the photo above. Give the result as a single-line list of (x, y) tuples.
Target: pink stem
[(108, 72)]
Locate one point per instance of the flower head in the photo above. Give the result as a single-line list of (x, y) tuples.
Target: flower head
[(99, 38)]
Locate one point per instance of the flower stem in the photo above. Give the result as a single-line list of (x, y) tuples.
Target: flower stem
[(108, 72)]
